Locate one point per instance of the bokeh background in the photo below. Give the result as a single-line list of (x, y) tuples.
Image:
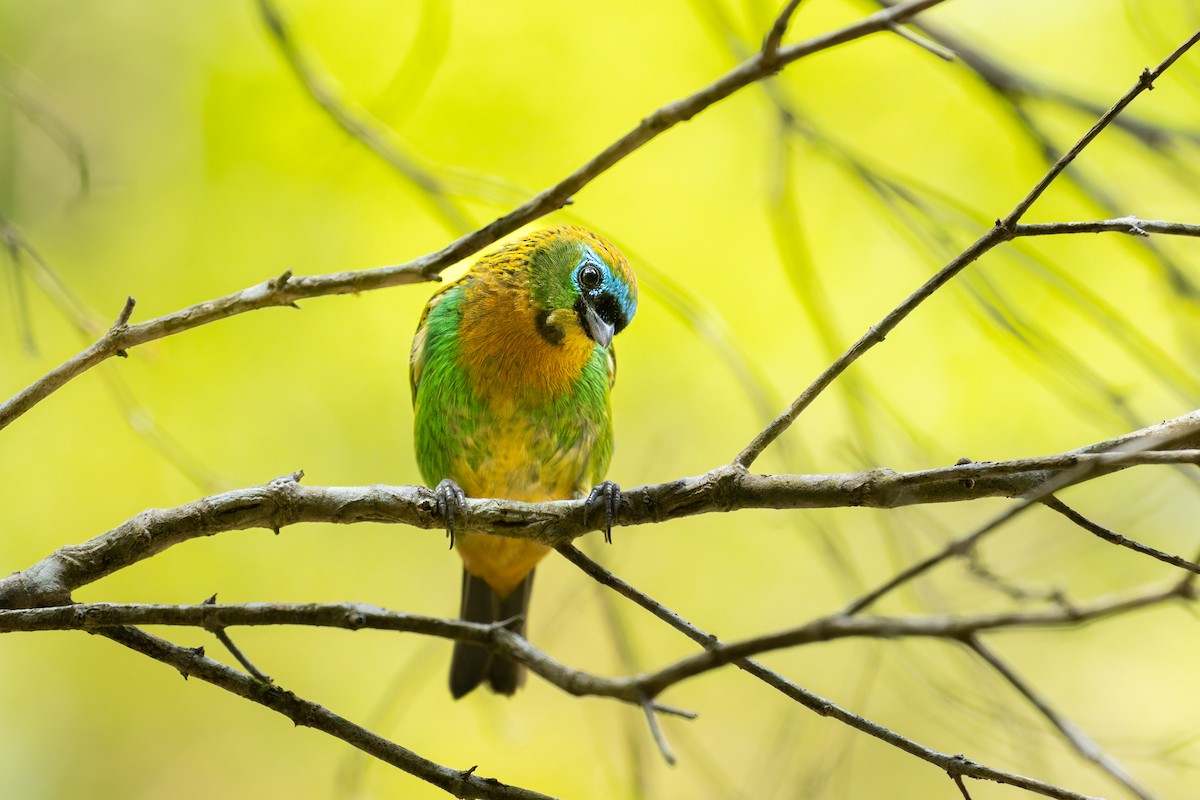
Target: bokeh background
[(168, 152)]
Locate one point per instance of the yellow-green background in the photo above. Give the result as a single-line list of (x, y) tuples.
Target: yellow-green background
[(212, 170)]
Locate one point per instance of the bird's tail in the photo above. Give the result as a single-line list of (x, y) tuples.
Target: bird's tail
[(471, 664)]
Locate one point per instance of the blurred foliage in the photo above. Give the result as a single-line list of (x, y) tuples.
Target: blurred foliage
[(166, 151)]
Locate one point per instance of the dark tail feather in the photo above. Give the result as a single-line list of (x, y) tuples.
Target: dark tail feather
[(472, 663)]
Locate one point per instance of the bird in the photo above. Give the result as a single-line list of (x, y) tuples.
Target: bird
[(511, 371)]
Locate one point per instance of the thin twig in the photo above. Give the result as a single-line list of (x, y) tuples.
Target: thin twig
[(770, 48), (235, 651), (953, 764), (1076, 737), (656, 731), (1112, 537), (926, 44), (1002, 231), (1144, 83), (193, 663)]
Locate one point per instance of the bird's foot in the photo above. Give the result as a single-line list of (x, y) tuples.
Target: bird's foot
[(451, 500), (609, 494)]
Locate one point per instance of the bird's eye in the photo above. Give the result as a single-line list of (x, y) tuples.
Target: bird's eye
[(589, 276)]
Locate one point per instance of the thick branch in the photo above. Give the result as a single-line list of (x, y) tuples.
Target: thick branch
[(285, 501)]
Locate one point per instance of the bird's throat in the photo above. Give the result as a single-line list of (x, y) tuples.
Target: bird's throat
[(512, 349)]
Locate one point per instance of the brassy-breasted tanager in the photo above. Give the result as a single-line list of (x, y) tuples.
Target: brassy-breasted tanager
[(511, 370)]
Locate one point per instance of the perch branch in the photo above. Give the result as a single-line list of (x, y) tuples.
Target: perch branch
[(285, 501)]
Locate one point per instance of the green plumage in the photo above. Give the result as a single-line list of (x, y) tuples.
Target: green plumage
[(511, 371)]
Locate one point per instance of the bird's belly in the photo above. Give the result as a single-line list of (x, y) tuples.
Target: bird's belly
[(518, 459), (499, 560)]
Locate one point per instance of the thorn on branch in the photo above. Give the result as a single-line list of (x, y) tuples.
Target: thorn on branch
[(122, 322), (126, 313), (458, 789), (968, 483), (1146, 79), (293, 477)]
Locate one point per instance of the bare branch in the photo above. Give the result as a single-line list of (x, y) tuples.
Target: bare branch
[(1144, 83), (285, 501), (770, 48), (429, 266), (635, 690), (191, 662), (1001, 232), (1076, 737), (1112, 537), (953, 764), (1130, 225)]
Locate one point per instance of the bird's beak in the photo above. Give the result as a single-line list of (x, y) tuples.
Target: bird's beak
[(598, 329)]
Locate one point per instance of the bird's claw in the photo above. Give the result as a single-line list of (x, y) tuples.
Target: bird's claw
[(450, 500), (608, 493)]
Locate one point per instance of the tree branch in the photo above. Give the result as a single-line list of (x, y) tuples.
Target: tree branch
[(93, 617), (1162, 437), (1083, 744), (954, 765), (284, 501), (191, 662), (285, 290), (1002, 231)]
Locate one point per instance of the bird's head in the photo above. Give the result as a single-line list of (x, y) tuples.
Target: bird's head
[(580, 283)]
